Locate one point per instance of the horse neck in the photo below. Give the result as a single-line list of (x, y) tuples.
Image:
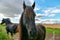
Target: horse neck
[(21, 20)]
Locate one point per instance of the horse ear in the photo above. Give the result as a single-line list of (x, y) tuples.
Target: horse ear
[(33, 5), (24, 6)]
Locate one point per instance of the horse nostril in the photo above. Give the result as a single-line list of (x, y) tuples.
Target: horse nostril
[(31, 33)]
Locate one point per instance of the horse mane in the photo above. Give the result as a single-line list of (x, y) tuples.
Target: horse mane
[(8, 20), (21, 19), (24, 30)]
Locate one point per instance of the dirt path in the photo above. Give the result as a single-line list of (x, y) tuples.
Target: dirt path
[(50, 36), (16, 36)]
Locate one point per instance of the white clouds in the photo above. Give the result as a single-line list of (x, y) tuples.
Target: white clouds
[(39, 15), (31, 1), (10, 7), (37, 8), (1, 15), (51, 15), (13, 8), (55, 11), (51, 21), (48, 21), (51, 12)]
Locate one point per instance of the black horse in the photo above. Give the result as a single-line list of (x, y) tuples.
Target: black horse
[(31, 31), (10, 27)]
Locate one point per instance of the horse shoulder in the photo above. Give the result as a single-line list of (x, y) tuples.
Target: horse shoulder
[(40, 28)]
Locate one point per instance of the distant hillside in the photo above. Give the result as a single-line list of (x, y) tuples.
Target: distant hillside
[(47, 21)]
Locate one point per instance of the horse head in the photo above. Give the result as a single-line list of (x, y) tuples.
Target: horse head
[(28, 19), (7, 20)]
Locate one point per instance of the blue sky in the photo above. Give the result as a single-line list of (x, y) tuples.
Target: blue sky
[(50, 7), (44, 9)]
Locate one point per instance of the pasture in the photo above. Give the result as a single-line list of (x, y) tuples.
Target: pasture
[(52, 32)]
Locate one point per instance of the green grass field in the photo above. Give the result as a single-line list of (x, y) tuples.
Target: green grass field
[(4, 36), (51, 30)]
